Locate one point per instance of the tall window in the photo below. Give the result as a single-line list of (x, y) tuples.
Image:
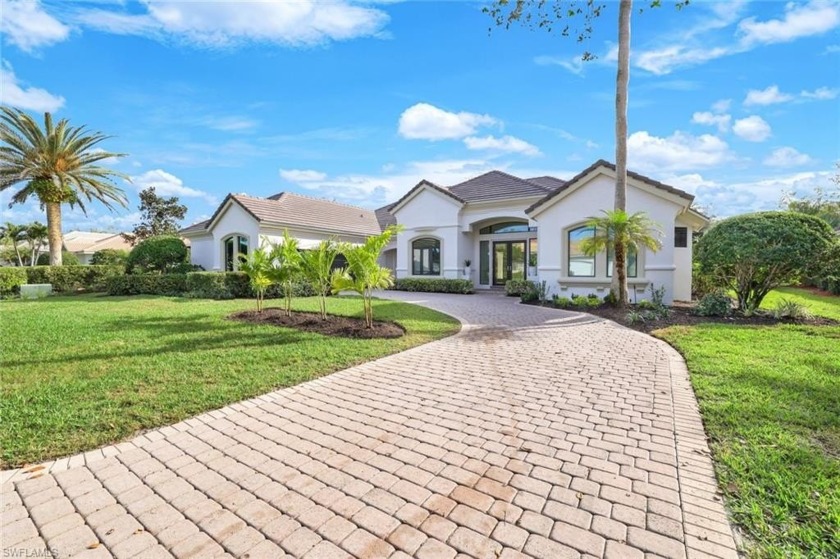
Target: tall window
[(425, 257), (632, 263), (680, 237), (235, 245), (580, 265)]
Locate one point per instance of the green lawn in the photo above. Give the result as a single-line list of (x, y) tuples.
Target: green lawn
[(819, 305), (770, 398), (80, 372)]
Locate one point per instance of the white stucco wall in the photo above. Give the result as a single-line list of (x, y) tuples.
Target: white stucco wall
[(233, 220), (589, 199), (435, 215)]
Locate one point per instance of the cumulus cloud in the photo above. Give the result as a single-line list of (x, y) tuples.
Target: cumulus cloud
[(19, 95), (301, 175), (814, 18), (711, 119), (752, 128), (506, 144), (761, 193), (427, 122), (28, 26), (677, 152), (167, 184), (225, 24), (820, 94), (768, 96), (787, 157)]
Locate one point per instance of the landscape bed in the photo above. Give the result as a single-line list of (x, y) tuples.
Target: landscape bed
[(78, 372)]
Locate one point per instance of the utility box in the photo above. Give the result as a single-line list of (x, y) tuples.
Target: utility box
[(35, 290)]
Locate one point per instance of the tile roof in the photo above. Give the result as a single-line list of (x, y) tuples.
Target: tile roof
[(497, 185), (289, 209), (385, 217), (608, 165), (195, 227), (90, 241), (547, 182)]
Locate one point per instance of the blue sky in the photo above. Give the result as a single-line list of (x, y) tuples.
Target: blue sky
[(734, 101)]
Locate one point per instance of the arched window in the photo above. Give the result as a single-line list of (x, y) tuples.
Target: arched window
[(234, 246), (506, 227), (425, 257), (580, 265)]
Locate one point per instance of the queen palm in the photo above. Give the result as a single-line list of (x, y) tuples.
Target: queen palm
[(56, 164), (36, 234), (14, 234), (617, 228)]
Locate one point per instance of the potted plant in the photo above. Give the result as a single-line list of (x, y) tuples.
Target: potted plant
[(532, 265), (467, 263)]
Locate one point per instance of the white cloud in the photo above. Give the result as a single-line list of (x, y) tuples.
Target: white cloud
[(768, 96), (814, 18), (301, 175), (666, 59), (167, 184), (225, 24), (732, 198), (25, 24), (678, 152), (28, 98), (506, 144), (230, 123), (427, 122), (710, 119), (752, 128), (722, 106), (576, 64), (820, 94), (787, 157)]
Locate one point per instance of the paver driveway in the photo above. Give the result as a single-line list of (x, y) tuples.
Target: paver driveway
[(532, 433)]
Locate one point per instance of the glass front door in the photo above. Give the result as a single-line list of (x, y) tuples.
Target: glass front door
[(508, 261)]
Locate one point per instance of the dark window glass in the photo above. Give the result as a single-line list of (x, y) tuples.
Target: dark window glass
[(235, 247), (580, 265), (508, 227), (681, 237), (484, 262), (532, 253), (425, 257), (229, 254)]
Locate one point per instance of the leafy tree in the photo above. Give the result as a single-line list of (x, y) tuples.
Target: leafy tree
[(36, 234), (257, 266), (110, 257), (67, 259), (317, 267), (576, 18), (160, 216), (618, 228), (824, 203), (14, 235), (363, 274), (58, 165), (162, 254), (286, 268), (755, 253)]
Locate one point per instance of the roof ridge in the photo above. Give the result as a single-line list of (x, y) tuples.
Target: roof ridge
[(317, 199)]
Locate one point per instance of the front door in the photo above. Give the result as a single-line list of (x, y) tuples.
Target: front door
[(508, 261)]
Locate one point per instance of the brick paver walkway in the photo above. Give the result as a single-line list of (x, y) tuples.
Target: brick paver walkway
[(532, 433)]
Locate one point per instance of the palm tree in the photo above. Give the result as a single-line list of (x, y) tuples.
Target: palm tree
[(285, 268), (36, 234), (14, 234), (316, 265), (57, 165), (617, 229), (257, 266)]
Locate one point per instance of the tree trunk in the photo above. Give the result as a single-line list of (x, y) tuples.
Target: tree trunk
[(54, 232), (622, 83)]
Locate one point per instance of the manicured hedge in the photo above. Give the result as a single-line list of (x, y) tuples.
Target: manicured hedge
[(11, 278), (67, 279), (515, 288), (430, 285), (147, 284), (235, 285)]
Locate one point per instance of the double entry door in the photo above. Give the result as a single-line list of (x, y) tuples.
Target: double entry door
[(508, 261)]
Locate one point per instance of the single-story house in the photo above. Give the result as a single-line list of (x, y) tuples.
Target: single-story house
[(504, 226), (84, 244)]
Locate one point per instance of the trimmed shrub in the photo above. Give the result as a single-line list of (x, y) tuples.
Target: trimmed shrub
[(67, 259), (515, 288), (147, 284), (11, 278), (161, 254), (562, 302), (235, 285), (589, 301), (67, 279), (434, 285), (109, 257), (717, 303)]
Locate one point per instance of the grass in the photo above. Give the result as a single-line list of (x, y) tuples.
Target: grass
[(770, 399), (80, 372), (819, 305)]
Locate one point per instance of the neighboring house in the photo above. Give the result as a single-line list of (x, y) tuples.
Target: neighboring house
[(506, 226), (84, 244)]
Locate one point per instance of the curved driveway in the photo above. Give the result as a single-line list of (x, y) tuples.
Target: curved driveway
[(532, 433)]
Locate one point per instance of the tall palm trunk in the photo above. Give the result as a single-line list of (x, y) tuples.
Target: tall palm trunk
[(54, 232), (622, 82)]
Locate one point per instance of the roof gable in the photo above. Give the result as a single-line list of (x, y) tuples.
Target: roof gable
[(422, 185), (497, 185), (602, 164)]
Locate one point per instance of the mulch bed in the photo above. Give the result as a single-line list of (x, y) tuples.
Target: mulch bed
[(681, 316), (341, 326)]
